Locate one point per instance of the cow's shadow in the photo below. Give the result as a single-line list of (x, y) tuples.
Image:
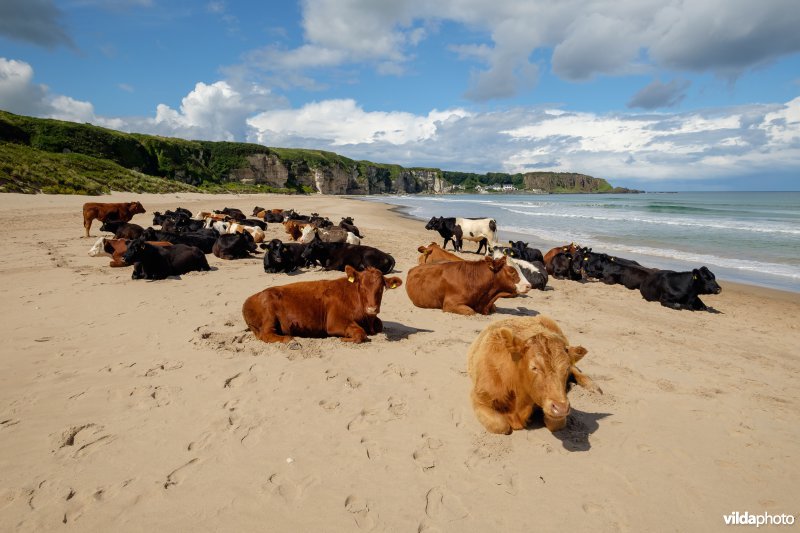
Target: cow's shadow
[(518, 311), (575, 435), (395, 331)]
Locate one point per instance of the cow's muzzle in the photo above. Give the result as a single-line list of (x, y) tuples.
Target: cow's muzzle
[(371, 311)]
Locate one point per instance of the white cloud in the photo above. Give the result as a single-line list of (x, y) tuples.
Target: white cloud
[(343, 122), (587, 37)]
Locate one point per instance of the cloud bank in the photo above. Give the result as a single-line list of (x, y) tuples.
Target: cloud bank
[(639, 148)]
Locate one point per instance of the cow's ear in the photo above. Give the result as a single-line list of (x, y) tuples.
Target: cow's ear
[(421, 249), (393, 282), (497, 264), (351, 273), (576, 353), (695, 274)]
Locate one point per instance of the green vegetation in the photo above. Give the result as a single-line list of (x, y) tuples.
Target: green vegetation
[(54, 156), (23, 169)]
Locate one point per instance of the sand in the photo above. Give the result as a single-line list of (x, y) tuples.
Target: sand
[(128, 405)]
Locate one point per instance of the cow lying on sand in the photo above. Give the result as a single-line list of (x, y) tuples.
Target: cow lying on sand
[(462, 287), (347, 307), (518, 364)]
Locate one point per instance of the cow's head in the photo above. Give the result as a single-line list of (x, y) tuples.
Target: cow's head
[(347, 220), (506, 277), (137, 207), (547, 360), (705, 282), (370, 283), (434, 223), (137, 250)]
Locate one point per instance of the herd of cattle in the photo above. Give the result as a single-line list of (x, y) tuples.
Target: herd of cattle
[(515, 364)]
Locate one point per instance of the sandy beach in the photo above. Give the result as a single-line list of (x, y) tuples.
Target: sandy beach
[(128, 405)]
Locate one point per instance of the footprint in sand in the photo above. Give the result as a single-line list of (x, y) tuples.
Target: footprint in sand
[(424, 455), (163, 367), (241, 378), (178, 476), (393, 370), (329, 405), (290, 492), (362, 511), (441, 505), (392, 409), (79, 441), (372, 448), (508, 479)]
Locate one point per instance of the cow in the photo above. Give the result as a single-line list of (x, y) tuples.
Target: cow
[(235, 214), (122, 230), (123, 212), (433, 252), (448, 229), (347, 223), (97, 248), (294, 228), (333, 234), (570, 248), (283, 257), (680, 290), (319, 221), (234, 246), (462, 287), (481, 230), (613, 272), (532, 275), (202, 239), (256, 233), (337, 256), (254, 222), (518, 364), (347, 307), (521, 250), (160, 262), (116, 248), (560, 265)]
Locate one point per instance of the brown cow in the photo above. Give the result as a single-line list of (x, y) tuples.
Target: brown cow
[(294, 228), (570, 248), (117, 248), (105, 211), (347, 307), (517, 364), (433, 252), (462, 287)]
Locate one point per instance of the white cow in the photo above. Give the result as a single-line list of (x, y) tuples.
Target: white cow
[(534, 273), (98, 250), (479, 230), (334, 234)]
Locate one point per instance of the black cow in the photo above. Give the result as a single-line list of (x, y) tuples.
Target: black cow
[(601, 266), (204, 239), (122, 230), (235, 214), (448, 229), (274, 217), (283, 257), (680, 290), (234, 246), (337, 255), (523, 251), (560, 267), (159, 262), (319, 221), (347, 223)]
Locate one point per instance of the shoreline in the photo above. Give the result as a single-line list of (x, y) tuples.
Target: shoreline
[(779, 285)]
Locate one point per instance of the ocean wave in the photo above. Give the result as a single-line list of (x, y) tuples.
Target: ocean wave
[(729, 226)]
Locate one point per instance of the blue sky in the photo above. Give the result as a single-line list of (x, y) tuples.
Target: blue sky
[(657, 95)]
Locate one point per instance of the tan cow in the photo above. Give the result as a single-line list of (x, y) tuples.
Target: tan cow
[(517, 364)]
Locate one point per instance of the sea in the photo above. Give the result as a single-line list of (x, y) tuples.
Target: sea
[(746, 237)]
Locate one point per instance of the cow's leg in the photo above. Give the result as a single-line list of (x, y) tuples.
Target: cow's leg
[(87, 224), (519, 419), (457, 308), (267, 331), (353, 333), (583, 380), (493, 421), (483, 244), (697, 304)]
